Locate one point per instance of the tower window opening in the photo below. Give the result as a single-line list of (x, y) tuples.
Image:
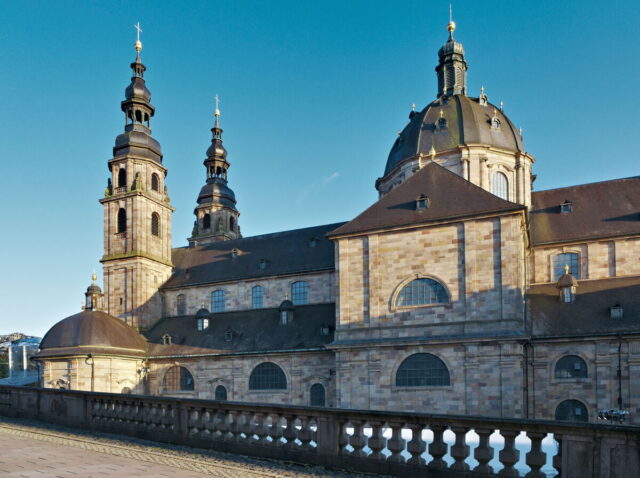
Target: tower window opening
[(138, 116), (122, 178), (155, 182), (155, 224), (206, 221), (122, 220), (501, 185), (218, 171), (146, 119), (232, 224), (130, 116)]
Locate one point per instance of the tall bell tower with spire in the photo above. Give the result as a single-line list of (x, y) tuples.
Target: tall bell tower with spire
[(137, 212), (216, 213)]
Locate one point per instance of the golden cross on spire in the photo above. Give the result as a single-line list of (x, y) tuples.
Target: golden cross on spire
[(217, 113), (452, 25), (138, 43)]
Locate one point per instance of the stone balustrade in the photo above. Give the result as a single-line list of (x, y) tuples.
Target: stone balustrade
[(398, 444)]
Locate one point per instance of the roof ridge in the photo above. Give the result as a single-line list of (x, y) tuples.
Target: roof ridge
[(585, 184)]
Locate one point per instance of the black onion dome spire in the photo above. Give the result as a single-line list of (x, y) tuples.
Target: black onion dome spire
[(138, 111)]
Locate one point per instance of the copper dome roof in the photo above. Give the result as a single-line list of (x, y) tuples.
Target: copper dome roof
[(451, 121), (91, 332)]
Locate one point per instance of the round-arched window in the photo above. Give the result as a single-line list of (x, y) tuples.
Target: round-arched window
[(422, 292), (501, 185), (317, 393), (122, 220), (267, 376), (221, 393), (155, 224), (177, 379), (422, 370), (571, 366), (572, 411), (155, 182)]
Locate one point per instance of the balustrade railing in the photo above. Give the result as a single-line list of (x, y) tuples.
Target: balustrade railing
[(400, 444)]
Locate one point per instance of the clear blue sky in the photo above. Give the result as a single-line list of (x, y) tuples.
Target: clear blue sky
[(313, 94)]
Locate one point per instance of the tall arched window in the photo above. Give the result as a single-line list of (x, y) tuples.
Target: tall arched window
[(177, 379), (122, 220), (501, 185), (571, 366), (317, 398), (155, 182), (422, 370), (570, 259), (155, 224), (220, 393), (232, 223), (299, 292), (122, 178), (218, 301), (257, 297), (572, 411), (181, 305), (422, 292), (267, 376), (206, 221)]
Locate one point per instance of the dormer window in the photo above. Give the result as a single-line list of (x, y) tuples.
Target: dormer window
[(324, 330), (616, 312), (422, 202), (566, 207), (442, 123), (262, 264), (567, 285), (166, 339), (228, 336), (495, 121), (203, 324), (313, 242), (235, 253), (286, 312)]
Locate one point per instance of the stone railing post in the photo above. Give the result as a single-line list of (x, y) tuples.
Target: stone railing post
[(509, 455), (328, 436), (536, 458)]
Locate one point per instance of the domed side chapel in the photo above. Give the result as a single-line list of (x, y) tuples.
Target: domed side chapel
[(460, 291)]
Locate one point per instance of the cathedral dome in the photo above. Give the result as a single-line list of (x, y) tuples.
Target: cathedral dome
[(92, 331), (137, 89), (217, 191), (451, 121)]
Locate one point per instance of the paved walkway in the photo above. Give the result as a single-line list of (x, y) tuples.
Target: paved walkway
[(31, 449)]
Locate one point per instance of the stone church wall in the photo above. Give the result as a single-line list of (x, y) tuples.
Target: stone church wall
[(238, 294)]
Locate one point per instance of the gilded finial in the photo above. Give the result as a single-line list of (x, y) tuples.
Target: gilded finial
[(451, 26), (520, 131), (566, 268), (217, 112), (501, 105), (482, 90), (413, 106), (138, 43), (94, 277), (495, 113), (441, 113), (432, 151), (286, 296), (202, 304)]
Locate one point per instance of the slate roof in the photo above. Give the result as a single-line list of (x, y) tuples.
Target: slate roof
[(450, 197), (589, 314), (287, 252), (468, 122), (252, 330), (603, 209)]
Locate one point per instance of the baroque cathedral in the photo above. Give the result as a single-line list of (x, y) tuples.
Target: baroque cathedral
[(460, 291)]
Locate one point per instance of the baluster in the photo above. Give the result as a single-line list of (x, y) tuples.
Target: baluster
[(259, 429), (438, 448), (377, 442), (234, 426), (358, 440), (416, 445), (304, 434), (460, 450), (509, 456), (536, 458), (557, 459), (483, 452), (171, 417), (343, 439), (153, 417), (290, 432), (396, 443), (119, 409), (192, 422), (207, 423), (275, 430), (220, 425)]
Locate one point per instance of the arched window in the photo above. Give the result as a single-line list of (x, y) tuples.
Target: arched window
[(177, 379), (155, 182), (501, 185), (570, 259), (221, 393), (217, 301), (139, 116), (126, 390), (317, 395), (571, 366), (267, 376), (422, 370), (299, 293), (155, 224), (572, 411), (422, 292), (181, 305), (122, 220), (257, 297), (206, 221), (122, 178), (232, 223)]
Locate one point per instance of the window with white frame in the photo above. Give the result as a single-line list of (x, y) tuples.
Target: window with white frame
[(501, 185)]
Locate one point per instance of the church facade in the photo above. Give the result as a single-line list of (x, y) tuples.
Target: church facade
[(460, 291)]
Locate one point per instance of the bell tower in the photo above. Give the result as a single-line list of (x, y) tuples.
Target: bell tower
[(137, 213), (216, 213)]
